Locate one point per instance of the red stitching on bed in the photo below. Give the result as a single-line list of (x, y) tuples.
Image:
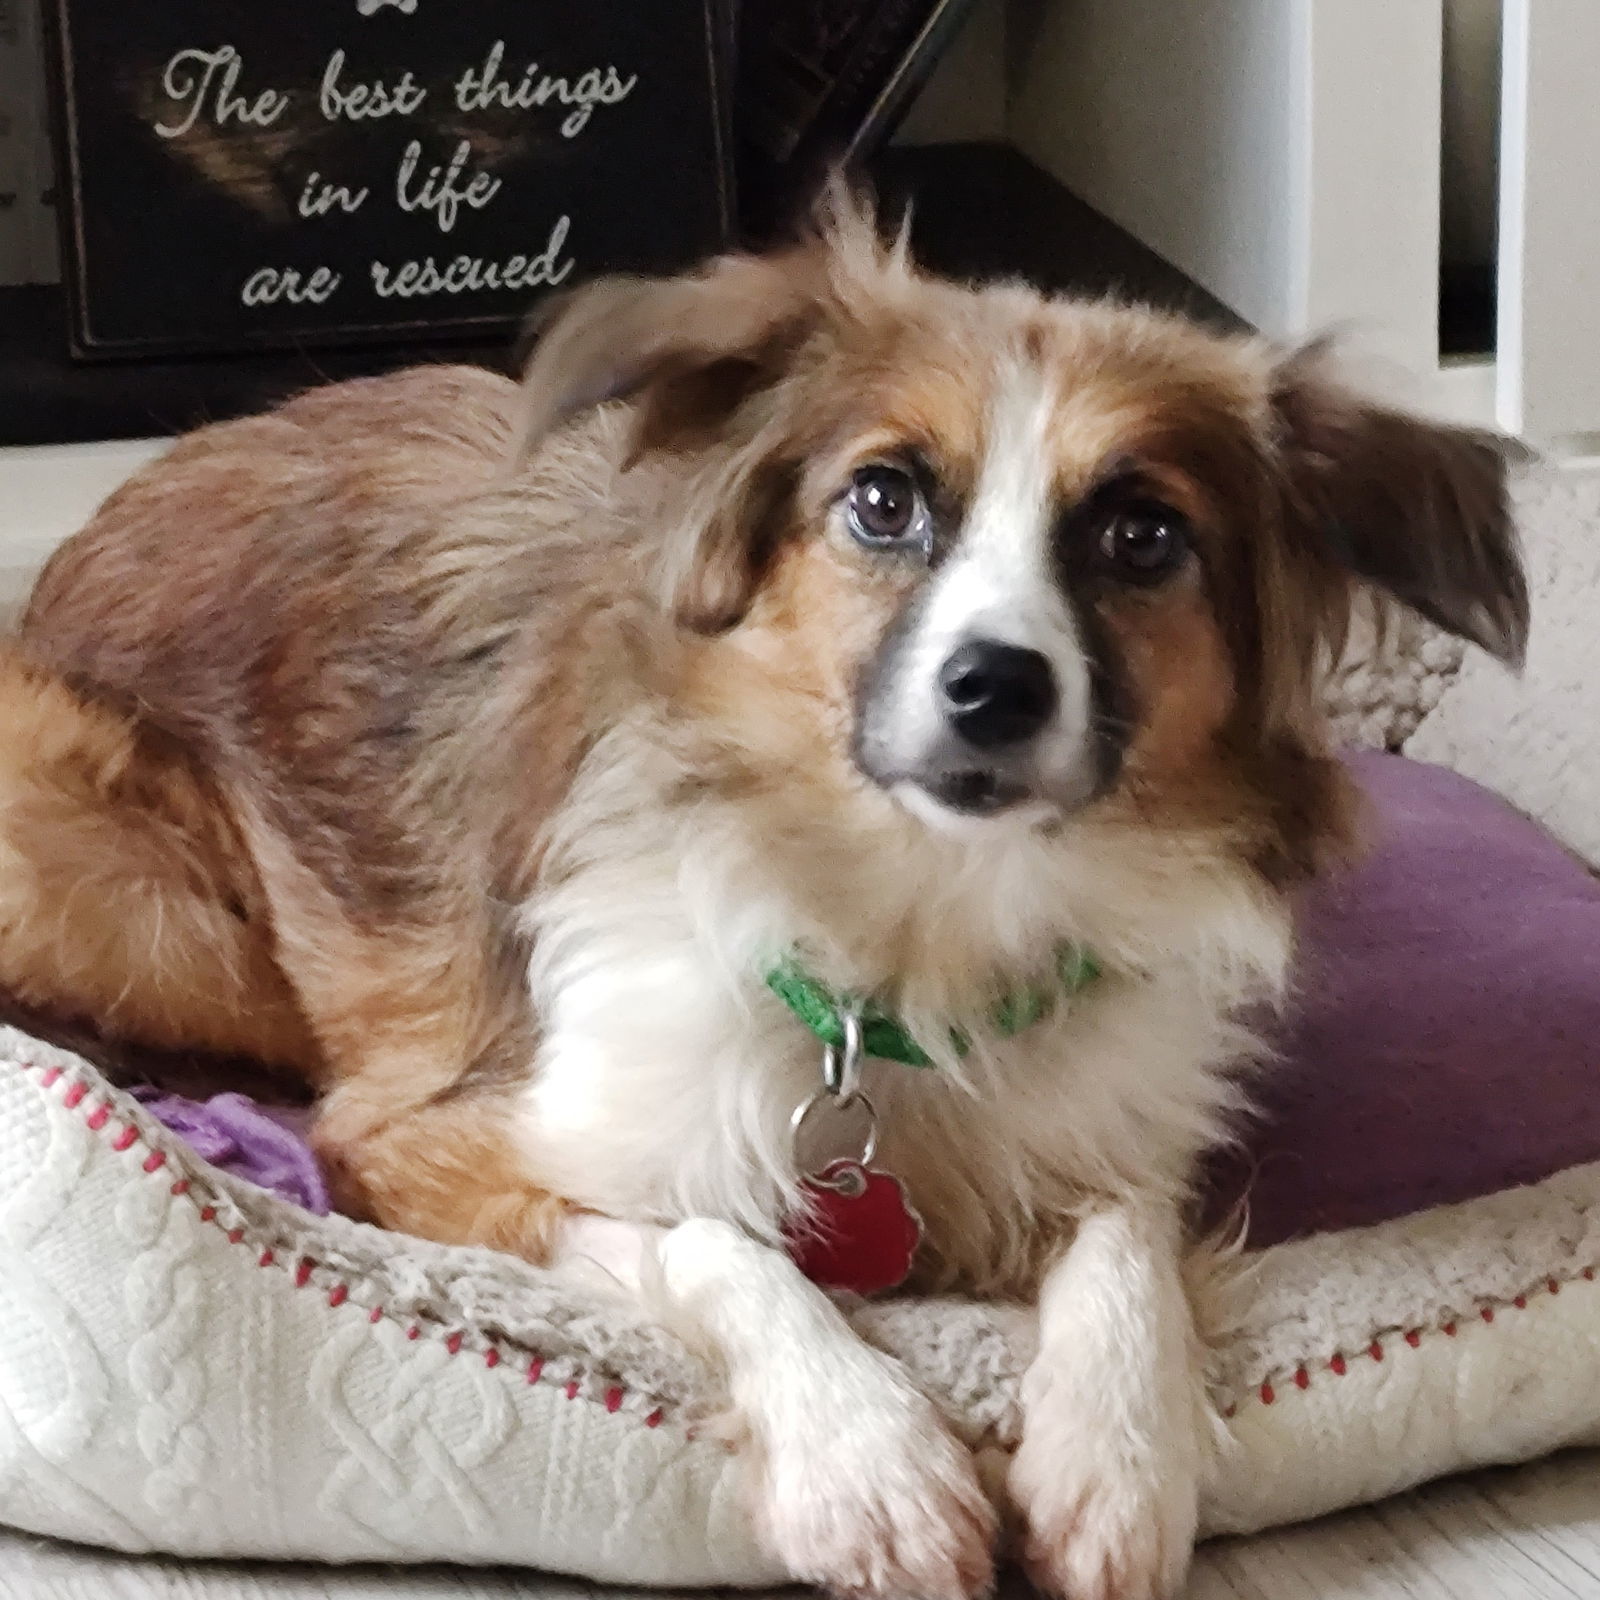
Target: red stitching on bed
[(1339, 1366), (98, 1118)]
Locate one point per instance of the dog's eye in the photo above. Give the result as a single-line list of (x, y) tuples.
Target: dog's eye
[(884, 507), (1143, 545)]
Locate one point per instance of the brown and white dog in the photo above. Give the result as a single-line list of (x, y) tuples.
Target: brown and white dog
[(476, 753)]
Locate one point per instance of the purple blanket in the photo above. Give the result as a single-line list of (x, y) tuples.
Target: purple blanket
[(264, 1144)]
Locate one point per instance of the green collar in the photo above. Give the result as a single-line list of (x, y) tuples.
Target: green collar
[(886, 1038)]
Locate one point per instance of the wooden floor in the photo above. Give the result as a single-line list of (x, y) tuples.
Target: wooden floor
[(1528, 1534)]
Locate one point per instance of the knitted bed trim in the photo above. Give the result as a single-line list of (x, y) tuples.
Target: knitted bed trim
[(476, 1301), (1287, 1318), (296, 1254)]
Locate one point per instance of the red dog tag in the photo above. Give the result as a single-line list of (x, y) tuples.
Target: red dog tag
[(859, 1234)]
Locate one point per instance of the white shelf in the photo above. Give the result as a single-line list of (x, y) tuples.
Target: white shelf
[(50, 491)]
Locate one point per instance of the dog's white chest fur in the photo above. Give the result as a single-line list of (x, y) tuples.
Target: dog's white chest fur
[(658, 1094), (668, 1073)]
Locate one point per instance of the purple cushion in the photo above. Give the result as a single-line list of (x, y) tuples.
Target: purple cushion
[(1444, 1040)]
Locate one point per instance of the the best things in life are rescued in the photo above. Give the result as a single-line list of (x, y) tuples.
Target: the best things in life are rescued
[(210, 88)]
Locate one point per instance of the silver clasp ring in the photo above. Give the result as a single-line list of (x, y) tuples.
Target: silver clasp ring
[(841, 1065), (841, 1090), (825, 1097)]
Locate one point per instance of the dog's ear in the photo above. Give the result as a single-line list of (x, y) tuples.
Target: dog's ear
[(686, 349), (1416, 508), (699, 358), (690, 348)]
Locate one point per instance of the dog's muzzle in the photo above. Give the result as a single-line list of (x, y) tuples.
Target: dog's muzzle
[(978, 727)]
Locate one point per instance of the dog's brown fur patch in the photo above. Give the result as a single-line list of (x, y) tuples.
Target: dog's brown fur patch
[(126, 898)]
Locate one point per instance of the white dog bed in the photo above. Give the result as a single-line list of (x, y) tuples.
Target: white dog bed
[(192, 1366)]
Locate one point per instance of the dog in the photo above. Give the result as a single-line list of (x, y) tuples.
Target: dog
[(578, 783)]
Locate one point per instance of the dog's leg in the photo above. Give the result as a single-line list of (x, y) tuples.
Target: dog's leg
[(394, 968), (411, 1129), (417, 1023), (862, 1487), (451, 1172), (1113, 1443)]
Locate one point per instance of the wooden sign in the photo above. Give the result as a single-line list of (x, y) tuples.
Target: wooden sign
[(251, 173)]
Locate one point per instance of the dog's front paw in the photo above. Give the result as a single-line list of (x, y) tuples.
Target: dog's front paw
[(878, 1499), (1105, 1517)]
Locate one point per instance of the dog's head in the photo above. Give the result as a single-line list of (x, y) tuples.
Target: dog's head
[(1017, 555)]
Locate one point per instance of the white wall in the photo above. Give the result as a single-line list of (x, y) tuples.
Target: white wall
[(1548, 357), (50, 491), (1283, 153), (1176, 119), (1173, 118), (1367, 252)]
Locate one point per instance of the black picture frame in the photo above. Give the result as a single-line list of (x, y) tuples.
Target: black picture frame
[(823, 84), (655, 172)]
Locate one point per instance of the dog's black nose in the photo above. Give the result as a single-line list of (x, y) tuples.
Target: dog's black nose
[(996, 694)]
